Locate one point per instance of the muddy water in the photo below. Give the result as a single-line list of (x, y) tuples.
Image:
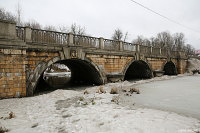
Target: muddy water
[(180, 95)]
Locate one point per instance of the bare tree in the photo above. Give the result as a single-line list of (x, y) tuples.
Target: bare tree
[(165, 39), (7, 16), (50, 28), (63, 28), (189, 49), (179, 40), (33, 24), (154, 42), (118, 35), (77, 29), (139, 40)]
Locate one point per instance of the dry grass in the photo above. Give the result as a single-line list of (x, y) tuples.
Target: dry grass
[(3, 130), (134, 90)]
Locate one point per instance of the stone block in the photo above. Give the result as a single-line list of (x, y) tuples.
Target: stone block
[(8, 30), (3, 95)]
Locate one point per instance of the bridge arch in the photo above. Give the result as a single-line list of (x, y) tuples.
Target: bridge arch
[(81, 70), (137, 69), (170, 68)]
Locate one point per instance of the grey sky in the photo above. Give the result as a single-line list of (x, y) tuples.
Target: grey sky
[(101, 17)]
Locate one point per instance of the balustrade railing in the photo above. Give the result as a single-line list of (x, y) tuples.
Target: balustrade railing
[(164, 51), (145, 49), (173, 53), (52, 37), (129, 46), (111, 45), (20, 31), (49, 37), (156, 51), (86, 41)]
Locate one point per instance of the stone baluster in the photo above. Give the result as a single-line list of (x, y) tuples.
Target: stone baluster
[(160, 51), (121, 46), (71, 39), (137, 48), (101, 43)]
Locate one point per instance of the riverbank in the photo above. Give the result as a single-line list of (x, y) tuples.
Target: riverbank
[(71, 111)]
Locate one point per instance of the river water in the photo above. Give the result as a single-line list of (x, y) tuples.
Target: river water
[(180, 95)]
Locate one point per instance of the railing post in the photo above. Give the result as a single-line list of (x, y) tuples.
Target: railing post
[(137, 48), (101, 43), (121, 46), (71, 39), (28, 34), (160, 51), (8, 30)]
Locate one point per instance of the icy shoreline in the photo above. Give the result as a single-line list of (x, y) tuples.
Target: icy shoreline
[(71, 111)]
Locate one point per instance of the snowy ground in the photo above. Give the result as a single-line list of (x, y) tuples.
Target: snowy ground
[(70, 111)]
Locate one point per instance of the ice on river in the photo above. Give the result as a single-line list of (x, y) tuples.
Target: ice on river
[(180, 95)]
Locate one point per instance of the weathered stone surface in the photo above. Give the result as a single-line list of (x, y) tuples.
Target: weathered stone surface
[(22, 62)]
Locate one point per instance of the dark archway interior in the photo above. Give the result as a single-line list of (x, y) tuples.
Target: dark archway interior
[(42, 86), (170, 69), (138, 70), (82, 73)]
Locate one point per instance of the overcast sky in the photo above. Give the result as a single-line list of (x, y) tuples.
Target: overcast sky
[(102, 17)]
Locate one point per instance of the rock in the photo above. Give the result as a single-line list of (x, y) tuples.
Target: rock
[(124, 90), (115, 99), (3, 129), (34, 125), (85, 92), (101, 90), (114, 91), (134, 90)]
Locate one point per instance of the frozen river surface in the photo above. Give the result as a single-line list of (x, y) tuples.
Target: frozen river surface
[(180, 95)]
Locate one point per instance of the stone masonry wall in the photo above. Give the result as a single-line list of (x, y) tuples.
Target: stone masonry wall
[(181, 66), (156, 63), (35, 57), (15, 66), (111, 64), (12, 73)]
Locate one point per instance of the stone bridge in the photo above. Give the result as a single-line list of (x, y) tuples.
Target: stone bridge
[(25, 54)]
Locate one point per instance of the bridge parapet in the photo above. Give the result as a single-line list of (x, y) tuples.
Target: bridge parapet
[(111, 45), (39, 36), (87, 41)]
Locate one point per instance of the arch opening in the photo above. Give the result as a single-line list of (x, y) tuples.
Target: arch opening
[(138, 70), (170, 68), (81, 73)]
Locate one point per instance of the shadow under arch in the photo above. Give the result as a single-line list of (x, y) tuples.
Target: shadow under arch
[(81, 71), (137, 69), (170, 68), (84, 71)]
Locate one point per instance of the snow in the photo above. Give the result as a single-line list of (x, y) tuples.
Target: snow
[(72, 111), (57, 74)]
